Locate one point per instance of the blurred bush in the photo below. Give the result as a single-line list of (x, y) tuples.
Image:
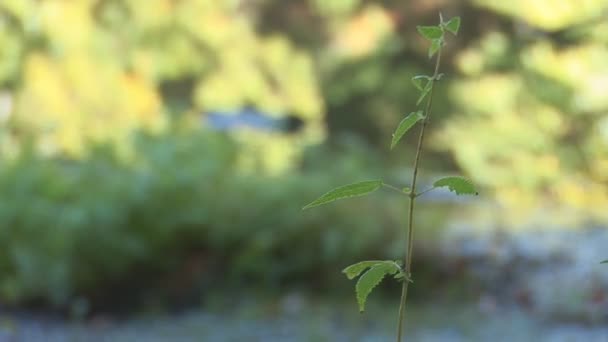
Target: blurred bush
[(94, 71), (177, 218)]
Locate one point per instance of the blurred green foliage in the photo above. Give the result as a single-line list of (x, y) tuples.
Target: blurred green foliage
[(524, 109), (180, 217), (530, 108)]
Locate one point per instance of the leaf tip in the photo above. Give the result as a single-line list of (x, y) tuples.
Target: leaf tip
[(453, 25)]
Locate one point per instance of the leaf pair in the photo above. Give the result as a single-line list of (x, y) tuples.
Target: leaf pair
[(376, 271), (436, 33), (458, 185)]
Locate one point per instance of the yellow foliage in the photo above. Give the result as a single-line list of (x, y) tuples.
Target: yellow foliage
[(67, 24), (70, 102), (583, 68), (96, 67), (237, 82), (362, 33), (548, 14), (535, 130)]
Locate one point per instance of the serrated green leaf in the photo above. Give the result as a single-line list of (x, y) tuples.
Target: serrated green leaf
[(354, 270), (459, 185), (346, 191), (418, 81), (435, 46), (405, 125), (370, 279), (430, 32), (453, 25)]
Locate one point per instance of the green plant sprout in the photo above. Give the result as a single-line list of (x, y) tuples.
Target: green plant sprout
[(372, 272)]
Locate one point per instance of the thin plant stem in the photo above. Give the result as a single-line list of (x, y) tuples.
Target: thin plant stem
[(425, 191), (410, 222)]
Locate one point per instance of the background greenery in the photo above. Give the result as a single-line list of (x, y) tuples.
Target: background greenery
[(116, 191)]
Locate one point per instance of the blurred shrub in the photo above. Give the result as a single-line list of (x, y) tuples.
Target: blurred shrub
[(178, 217)]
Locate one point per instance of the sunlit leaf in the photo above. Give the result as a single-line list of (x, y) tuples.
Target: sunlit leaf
[(405, 125), (459, 185), (346, 191), (453, 25), (430, 32)]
